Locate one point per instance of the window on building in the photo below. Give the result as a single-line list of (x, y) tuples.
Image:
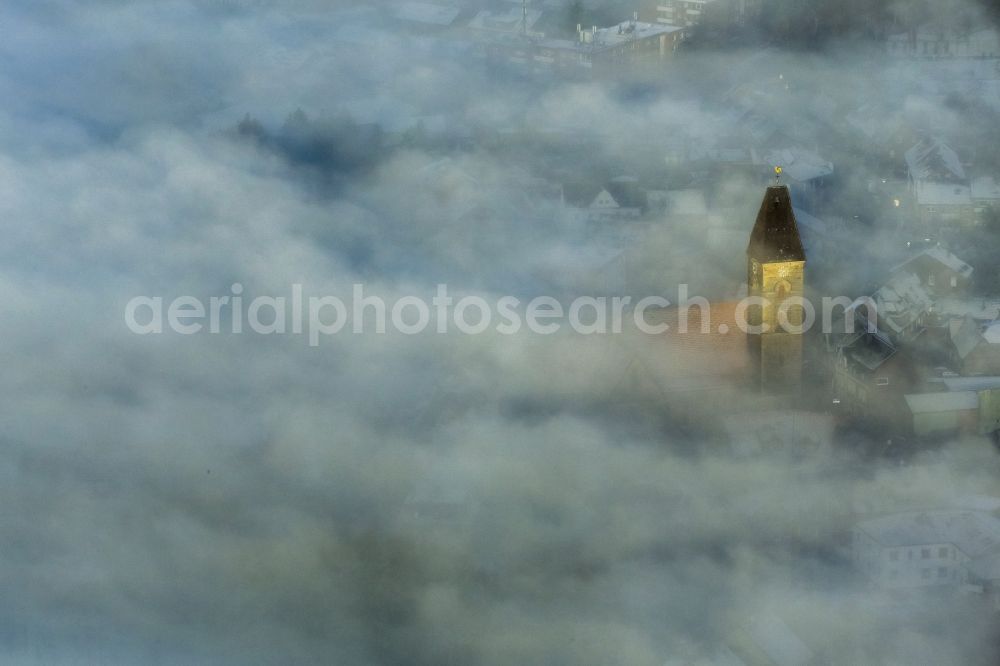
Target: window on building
[(881, 381), (930, 280), (943, 552), (926, 573), (954, 281), (925, 553), (942, 572)]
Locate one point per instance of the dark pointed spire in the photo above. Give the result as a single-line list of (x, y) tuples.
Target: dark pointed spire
[(775, 236)]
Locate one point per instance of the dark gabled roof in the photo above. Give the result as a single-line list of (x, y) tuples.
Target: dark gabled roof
[(775, 236), (871, 350)]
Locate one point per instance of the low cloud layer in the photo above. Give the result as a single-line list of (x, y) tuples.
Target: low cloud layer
[(244, 499)]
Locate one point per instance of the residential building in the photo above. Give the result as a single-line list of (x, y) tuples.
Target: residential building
[(631, 48), (684, 13), (939, 184), (871, 376), (926, 548), (976, 347), (689, 13), (939, 271), (619, 199)]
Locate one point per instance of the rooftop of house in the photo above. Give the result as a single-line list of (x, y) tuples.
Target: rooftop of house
[(624, 190), (901, 302), (870, 350), (940, 255), (629, 30), (598, 39), (933, 159), (972, 532), (949, 260)]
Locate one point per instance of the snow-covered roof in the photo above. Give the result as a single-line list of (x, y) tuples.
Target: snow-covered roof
[(901, 302), (933, 159), (949, 260), (870, 350), (940, 255), (948, 401), (629, 30), (972, 532)]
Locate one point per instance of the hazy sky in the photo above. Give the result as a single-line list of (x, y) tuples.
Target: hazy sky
[(242, 499)]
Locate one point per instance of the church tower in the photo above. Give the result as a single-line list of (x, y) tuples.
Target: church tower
[(775, 272)]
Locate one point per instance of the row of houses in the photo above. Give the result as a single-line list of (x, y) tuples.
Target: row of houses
[(630, 48), (530, 36), (923, 358), (929, 42)]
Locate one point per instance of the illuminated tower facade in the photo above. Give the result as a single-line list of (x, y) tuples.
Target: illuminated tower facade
[(776, 265)]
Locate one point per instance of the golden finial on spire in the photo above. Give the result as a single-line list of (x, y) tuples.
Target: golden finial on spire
[(777, 175)]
